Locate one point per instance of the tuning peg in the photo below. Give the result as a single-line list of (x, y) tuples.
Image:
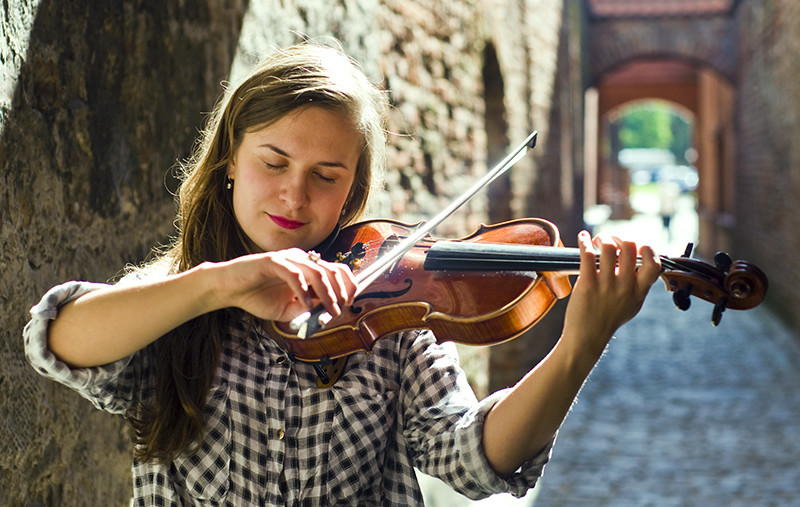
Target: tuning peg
[(682, 297), (716, 315), (723, 261), (687, 252)]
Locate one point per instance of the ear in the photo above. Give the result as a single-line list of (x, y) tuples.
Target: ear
[(229, 172)]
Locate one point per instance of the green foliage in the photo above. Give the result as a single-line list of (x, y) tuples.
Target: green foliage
[(655, 124), (646, 126)]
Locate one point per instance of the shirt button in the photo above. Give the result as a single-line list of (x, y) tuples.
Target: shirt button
[(280, 434)]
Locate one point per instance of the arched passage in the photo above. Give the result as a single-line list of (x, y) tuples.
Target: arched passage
[(691, 86), (653, 155)]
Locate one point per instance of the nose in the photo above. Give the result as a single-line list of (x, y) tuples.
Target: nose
[(294, 191)]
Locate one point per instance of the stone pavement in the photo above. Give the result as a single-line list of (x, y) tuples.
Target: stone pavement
[(679, 413)]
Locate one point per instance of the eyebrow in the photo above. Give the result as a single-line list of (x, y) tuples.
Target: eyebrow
[(284, 154)]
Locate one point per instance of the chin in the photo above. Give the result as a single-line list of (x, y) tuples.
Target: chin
[(276, 244)]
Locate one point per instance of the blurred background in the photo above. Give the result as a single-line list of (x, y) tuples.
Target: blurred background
[(665, 121)]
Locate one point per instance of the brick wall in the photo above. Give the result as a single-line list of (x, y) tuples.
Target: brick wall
[(768, 154), (706, 39)]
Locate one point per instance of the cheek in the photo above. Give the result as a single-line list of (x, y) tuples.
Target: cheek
[(251, 188), (346, 193), (337, 203), (246, 179)]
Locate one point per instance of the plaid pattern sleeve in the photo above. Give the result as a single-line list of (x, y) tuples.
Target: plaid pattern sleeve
[(101, 385), (444, 425)]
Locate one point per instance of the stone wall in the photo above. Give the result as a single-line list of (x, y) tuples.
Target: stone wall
[(97, 103), (99, 100)]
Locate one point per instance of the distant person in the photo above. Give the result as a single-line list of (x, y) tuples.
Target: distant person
[(668, 193)]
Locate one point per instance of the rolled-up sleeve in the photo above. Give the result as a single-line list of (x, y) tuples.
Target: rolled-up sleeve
[(469, 446), (444, 426), (108, 387)]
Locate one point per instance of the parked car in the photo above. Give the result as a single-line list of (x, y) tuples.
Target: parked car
[(644, 164), (685, 176)]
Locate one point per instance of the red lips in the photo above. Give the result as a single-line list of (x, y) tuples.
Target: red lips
[(286, 223)]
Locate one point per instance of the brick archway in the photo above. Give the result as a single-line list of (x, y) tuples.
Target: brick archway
[(706, 41), (687, 60)]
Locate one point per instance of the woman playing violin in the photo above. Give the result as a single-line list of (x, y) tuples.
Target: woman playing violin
[(220, 412)]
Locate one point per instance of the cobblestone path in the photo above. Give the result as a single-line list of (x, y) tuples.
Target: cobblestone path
[(679, 413)]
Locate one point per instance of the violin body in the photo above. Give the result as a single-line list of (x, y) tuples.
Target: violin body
[(474, 307)]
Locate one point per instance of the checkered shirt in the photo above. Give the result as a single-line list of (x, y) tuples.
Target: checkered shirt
[(273, 437)]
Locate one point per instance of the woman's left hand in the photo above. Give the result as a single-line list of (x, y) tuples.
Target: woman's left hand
[(608, 294)]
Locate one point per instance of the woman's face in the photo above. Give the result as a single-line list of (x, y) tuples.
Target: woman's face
[(291, 179)]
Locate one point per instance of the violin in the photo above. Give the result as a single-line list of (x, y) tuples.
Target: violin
[(485, 288)]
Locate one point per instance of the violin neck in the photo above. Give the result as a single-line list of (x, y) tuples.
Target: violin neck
[(466, 256)]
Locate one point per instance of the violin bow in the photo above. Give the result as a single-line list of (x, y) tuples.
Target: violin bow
[(307, 323)]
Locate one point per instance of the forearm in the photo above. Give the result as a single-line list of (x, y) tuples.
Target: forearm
[(109, 324), (518, 427)]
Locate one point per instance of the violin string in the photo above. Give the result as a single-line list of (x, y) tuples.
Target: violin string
[(666, 262)]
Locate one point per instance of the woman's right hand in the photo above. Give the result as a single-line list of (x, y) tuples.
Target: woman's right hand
[(109, 324), (281, 285)]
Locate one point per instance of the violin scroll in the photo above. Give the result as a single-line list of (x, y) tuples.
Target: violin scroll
[(738, 285)]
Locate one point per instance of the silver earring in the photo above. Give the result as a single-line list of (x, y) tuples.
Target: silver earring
[(229, 184)]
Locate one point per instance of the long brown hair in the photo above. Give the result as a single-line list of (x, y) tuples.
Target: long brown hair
[(171, 421)]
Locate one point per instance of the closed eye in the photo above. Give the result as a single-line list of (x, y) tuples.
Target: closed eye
[(326, 179)]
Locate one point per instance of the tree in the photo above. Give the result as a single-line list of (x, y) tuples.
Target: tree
[(646, 125), (655, 124)]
